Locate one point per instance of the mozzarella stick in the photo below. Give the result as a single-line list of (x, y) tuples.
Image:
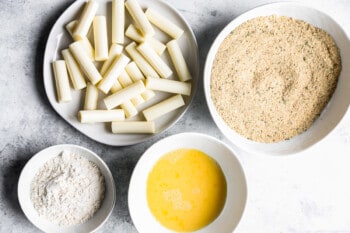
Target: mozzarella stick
[(163, 23), (125, 80), (116, 68), (148, 94), (116, 86), (100, 38), (134, 34), (139, 17), (163, 107), (91, 97), (129, 109), (75, 74), (134, 72), (71, 26), (114, 51), (133, 127), (118, 21), (166, 85), (127, 93), (82, 28), (179, 61), (155, 60), (62, 82), (93, 116), (144, 66), (88, 48), (85, 62), (156, 45)]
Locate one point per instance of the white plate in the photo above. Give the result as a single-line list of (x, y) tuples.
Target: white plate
[(59, 39), (32, 167), (236, 198), (331, 115)]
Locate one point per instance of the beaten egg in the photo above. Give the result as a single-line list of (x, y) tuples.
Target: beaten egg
[(186, 190)]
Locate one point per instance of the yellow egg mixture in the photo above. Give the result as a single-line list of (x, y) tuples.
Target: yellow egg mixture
[(186, 190)]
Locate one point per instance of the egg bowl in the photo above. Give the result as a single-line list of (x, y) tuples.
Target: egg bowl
[(32, 167), (236, 194), (331, 115)]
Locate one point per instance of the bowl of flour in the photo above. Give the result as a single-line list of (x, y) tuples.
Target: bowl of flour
[(66, 188), (276, 79)]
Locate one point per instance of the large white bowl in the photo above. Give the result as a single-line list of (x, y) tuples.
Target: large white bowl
[(32, 167), (331, 115), (236, 198)]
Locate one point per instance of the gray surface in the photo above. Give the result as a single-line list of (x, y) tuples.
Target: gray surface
[(284, 193)]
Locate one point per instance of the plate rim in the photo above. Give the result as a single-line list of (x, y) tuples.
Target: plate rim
[(146, 137)]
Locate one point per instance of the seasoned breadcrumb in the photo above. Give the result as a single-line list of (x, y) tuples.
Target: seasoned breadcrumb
[(272, 76)]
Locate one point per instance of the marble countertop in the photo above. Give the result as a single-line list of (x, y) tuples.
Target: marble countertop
[(304, 193)]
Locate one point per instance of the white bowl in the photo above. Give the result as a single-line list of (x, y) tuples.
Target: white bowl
[(233, 210), (32, 167), (331, 115)]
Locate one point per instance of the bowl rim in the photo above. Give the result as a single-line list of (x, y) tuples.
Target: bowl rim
[(222, 126), (146, 163), (42, 157)]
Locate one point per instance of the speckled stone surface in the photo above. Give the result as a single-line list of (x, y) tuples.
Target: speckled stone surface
[(304, 193)]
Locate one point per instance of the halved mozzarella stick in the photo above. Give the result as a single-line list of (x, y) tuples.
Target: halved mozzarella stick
[(75, 74), (155, 60), (133, 127), (127, 93), (156, 45), (114, 51), (144, 66), (86, 42), (118, 21), (163, 23), (129, 109), (88, 48), (85, 62), (92, 116), (82, 28), (133, 33), (115, 70), (139, 17), (134, 72), (116, 86), (91, 97), (61, 80), (100, 38), (125, 80), (163, 107), (179, 61), (148, 94), (166, 85), (71, 26)]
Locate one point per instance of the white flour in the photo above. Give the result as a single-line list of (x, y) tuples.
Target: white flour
[(68, 189)]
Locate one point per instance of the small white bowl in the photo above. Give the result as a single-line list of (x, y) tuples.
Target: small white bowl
[(236, 198), (32, 167), (331, 115)]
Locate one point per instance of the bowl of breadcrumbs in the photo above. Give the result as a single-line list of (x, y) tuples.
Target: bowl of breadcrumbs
[(275, 78)]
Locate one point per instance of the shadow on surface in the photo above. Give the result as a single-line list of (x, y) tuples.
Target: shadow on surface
[(11, 172), (47, 23)]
